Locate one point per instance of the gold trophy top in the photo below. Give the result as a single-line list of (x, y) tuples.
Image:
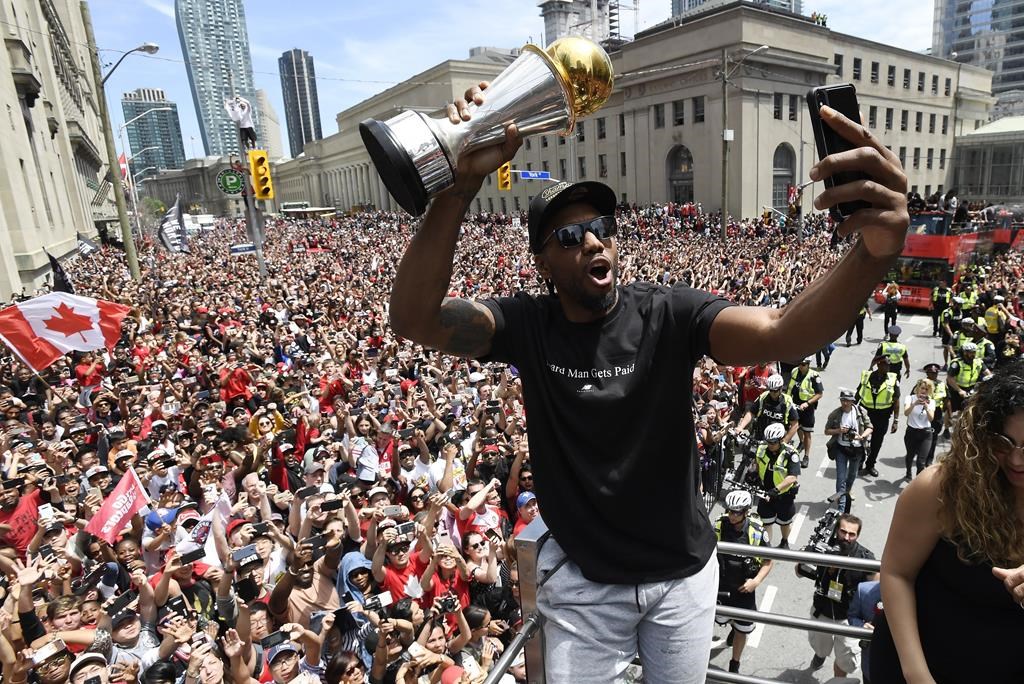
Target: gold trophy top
[(585, 71)]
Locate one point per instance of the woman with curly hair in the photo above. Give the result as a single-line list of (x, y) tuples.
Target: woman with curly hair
[(953, 567)]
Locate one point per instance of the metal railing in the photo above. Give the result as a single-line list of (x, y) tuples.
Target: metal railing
[(530, 638)]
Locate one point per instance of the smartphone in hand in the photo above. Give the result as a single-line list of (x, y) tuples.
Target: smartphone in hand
[(841, 97)]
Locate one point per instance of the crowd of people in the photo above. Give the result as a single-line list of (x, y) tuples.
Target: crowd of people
[(361, 492)]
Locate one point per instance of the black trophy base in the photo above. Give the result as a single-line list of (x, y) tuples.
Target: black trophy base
[(395, 167)]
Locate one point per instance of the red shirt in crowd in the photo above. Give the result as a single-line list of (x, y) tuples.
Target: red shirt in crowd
[(395, 579), (22, 521)]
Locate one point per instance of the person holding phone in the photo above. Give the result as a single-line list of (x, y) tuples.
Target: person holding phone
[(919, 408), (603, 368)]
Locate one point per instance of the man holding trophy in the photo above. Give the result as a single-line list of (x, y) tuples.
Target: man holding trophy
[(606, 368)]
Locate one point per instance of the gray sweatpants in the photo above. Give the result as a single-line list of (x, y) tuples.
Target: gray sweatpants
[(592, 632)]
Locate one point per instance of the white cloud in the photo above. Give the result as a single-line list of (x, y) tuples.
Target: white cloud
[(164, 8)]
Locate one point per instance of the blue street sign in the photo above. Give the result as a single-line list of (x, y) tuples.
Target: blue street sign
[(533, 175), (242, 249)]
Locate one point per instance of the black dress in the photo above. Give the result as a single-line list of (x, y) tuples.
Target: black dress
[(971, 628)]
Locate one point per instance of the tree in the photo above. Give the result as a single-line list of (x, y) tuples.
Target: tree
[(151, 207)]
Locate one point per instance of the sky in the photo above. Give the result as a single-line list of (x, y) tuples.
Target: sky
[(362, 48)]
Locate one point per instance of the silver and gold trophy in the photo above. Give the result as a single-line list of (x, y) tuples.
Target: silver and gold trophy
[(542, 91)]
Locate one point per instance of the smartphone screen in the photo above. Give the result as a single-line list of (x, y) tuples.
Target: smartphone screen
[(841, 97)]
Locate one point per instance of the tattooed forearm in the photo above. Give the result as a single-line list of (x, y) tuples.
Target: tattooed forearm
[(467, 327)]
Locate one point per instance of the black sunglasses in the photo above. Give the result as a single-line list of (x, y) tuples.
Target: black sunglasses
[(603, 228)]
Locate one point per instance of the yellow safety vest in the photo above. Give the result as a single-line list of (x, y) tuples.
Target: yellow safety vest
[(968, 374), (780, 469), (939, 395), (960, 338), (806, 385), (894, 351), (938, 296), (883, 398), (995, 320), (754, 532)]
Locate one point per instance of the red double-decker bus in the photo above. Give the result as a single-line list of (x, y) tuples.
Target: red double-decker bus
[(937, 251)]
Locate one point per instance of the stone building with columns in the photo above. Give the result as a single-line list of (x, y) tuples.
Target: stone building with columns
[(659, 137)]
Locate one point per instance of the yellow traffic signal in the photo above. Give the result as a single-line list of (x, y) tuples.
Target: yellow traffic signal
[(505, 176), (259, 167)]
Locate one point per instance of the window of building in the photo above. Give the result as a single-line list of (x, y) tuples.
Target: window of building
[(515, 202), (906, 79), (903, 157), (945, 124), (929, 158), (783, 175), (545, 166), (504, 206), (918, 120), (917, 157), (479, 206), (581, 166), (561, 140), (528, 143), (942, 158), (837, 59), (935, 84), (622, 124), (794, 107), (888, 118), (622, 163), (679, 112), (856, 68), (698, 109), (891, 76), (581, 134), (931, 123), (490, 204), (680, 175), (777, 106), (659, 115), (920, 81), (875, 68), (543, 141), (601, 130), (602, 165), (949, 86), (904, 119), (872, 116), (488, 179), (563, 172)]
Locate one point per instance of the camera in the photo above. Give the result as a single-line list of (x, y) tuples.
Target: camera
[(448, 604), (379, 602)]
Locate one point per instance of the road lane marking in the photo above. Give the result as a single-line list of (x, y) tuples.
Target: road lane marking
[(766, 607), (798, 521)]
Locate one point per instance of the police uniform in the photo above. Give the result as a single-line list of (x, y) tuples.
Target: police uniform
[(896, 352), (948, 318), (857, 325), (877, 394), (733, 571), (772, 469), (766, 411), (967, 374), (941, 296), (801, 390)]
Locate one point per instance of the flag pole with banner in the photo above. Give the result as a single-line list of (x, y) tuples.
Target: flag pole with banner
[(61, 281)]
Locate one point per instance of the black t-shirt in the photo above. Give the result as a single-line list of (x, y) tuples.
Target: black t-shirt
[(846, 582), (611, 428)]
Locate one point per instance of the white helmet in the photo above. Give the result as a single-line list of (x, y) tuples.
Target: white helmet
[(774, 382), (738, 500), (774, 432), (968, 347)]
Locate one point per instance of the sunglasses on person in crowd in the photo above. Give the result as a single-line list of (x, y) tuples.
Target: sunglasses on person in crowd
[(603, 228), (1004, 446)]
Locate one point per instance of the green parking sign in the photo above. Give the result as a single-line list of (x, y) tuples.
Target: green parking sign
[(230, 181)]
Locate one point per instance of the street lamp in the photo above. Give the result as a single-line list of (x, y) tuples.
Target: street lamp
[(144, 150), (148, 168), (726, 72), (130, 253)]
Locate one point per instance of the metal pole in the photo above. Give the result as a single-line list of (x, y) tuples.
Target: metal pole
[(115, 169), (131, 180), (725, 143), (800, 194), (515, 647)]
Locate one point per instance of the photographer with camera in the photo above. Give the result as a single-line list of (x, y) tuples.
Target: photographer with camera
[(739, 576), (834, 589), (847, 427)]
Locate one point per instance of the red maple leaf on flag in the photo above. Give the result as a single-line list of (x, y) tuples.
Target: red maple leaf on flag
[(68, 322)]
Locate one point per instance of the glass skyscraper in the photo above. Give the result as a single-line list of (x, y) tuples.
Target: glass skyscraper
[(985, 33), (215, 44), (155, 139), (301, 106)]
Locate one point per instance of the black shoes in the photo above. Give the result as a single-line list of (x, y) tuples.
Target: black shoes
[(872, 472), (783, 544), (816, 662), (734, 666), (805, 462)]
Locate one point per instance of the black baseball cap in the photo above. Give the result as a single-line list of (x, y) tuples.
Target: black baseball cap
[(562, 194)]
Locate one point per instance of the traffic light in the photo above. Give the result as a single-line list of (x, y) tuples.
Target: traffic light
[(259, 167), (505, 176)]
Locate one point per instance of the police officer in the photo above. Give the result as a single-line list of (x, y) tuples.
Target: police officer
[(941, 296), (858, 325), (986, 348), (895, 351), (963, 375), (806, 389), (892, 304), (879, 393), (940, 396), (773, 406), (778, 469), (949, 325), (834, 589), (996, 317), (739, 576)]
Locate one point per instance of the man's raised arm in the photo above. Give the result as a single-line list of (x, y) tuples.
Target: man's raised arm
[(419, 309)]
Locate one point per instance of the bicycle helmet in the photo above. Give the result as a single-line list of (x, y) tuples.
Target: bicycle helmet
[(738, 500), (774, 432), (968, 347), (774, 382)]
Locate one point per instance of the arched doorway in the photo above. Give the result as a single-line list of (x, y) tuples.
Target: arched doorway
[(783, 175), (680, 175)]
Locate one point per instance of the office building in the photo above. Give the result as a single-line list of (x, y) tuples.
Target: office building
[(682, 8), (270, 126), (577, 18), (215, 44), (659, 136), (53, 161), (154, 140), (301, 106), (986, 34)]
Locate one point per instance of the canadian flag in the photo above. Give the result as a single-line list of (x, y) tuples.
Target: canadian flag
[(43, 329), (123, 163)]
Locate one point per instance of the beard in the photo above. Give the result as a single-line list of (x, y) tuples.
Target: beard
[(575, 290)]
